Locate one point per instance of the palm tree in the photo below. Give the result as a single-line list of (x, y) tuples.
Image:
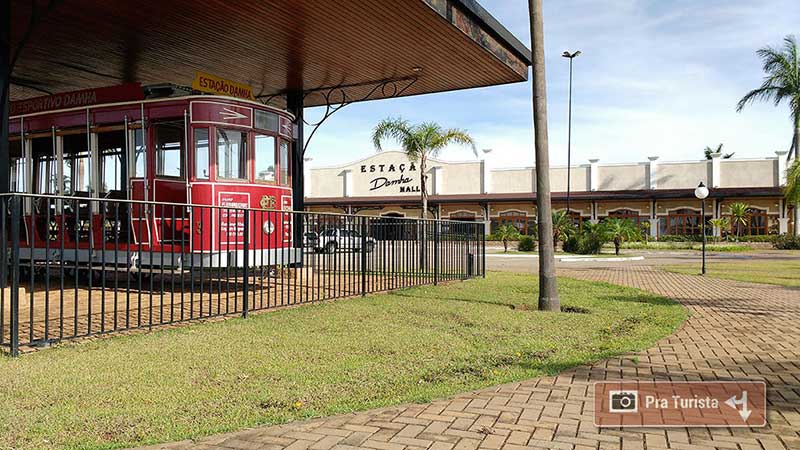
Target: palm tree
[(506, 233), (548, 284), (562, 227), (709, 151), (792, 189), (420, 142), (619, 231), (740, 216), (720, 224), (782, 82)]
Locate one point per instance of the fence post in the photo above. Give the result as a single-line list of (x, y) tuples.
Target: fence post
[(363, 256), (435, 252), (16, 215), (483, 251), (246, 262)]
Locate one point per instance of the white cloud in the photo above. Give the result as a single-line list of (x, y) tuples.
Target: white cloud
[(655, 78)]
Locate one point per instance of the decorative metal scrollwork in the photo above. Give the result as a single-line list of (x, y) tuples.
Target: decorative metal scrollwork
[(336, 97)]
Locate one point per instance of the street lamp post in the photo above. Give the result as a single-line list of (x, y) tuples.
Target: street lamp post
[(569, 56), (701, 192)]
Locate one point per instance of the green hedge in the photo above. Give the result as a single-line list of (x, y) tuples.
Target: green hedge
[(787, 242)]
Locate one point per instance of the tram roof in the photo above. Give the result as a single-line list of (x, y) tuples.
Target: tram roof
[(275, 46)]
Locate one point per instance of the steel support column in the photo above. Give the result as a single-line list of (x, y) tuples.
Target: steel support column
[(5, 94), (294, 103)]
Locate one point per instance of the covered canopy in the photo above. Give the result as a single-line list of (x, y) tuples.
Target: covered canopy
[(276, 46), (293, 53)]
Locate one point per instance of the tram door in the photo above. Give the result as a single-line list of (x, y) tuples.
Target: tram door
[(160, 177)]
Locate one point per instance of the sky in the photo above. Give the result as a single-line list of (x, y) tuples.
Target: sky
[(655, 78)]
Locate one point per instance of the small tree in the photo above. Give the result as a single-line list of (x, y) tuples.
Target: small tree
[(619, 231), (505, 233), (420, 142), (562, 227), (740, 216), (720, 224)]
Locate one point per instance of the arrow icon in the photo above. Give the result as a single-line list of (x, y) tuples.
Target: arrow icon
[(733, 402), (229, 114)]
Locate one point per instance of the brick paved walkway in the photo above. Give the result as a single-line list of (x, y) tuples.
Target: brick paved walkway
[(737, 331)]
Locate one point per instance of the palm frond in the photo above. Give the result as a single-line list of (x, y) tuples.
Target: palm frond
[(792, 188), (782, 80), (456, 136), (395, 129)]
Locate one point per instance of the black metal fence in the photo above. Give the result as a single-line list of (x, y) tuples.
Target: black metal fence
[(77, 267)]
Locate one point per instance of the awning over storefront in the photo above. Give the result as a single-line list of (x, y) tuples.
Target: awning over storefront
[(275, 46)]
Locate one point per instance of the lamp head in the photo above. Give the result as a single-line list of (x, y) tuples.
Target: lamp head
[(701, 191), (571, 55)]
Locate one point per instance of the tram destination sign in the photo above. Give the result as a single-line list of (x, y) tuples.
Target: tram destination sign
[(212, 84), (77, 99)]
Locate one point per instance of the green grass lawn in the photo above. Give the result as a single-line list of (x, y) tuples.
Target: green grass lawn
[(784, 272), (414, 345)]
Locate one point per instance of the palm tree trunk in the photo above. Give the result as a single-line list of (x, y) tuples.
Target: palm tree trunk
[(796, 156), (548, 285)]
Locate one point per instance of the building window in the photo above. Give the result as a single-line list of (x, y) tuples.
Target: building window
[(577, 218), (624, 214), (758, 224), (231, 154), (265, 158), (685, 222), (522, 222)]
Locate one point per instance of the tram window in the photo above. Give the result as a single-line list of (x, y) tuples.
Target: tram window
[(284, 163), (265, 158), (76, 164), (169, 149), (201, 153), (45, 172), (231, 154), (17, 167), (138, 154), (111, 146)]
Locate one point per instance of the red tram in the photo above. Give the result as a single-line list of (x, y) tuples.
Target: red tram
[(111, 158)]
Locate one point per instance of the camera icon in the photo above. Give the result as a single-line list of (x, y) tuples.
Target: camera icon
[(623, 401)]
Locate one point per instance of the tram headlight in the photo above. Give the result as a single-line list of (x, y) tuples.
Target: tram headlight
[(268, 227)]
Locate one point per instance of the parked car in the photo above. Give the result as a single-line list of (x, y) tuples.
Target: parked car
[(310, 239), (335, 239)]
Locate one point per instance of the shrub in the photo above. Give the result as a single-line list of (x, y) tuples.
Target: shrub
[(787, 242), (526, 244), (571, 244), (750, 238), (584, 244)]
